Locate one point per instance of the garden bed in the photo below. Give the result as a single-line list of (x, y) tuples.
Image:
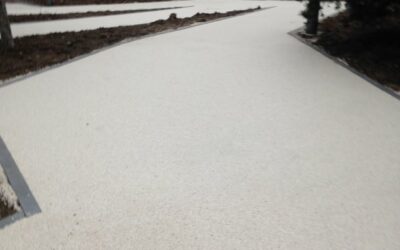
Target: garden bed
[(5, 210), (8, 199), (49, 17), (373, 49), (32, 53)]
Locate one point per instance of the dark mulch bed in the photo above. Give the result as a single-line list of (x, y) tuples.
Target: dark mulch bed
[(5, 210), (373, 48), (35, 52), (48, 17)]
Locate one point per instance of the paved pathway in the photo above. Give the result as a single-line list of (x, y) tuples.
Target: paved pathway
[(230, 135)]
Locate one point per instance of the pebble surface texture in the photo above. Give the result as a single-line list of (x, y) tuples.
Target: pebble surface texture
[(229, 135)]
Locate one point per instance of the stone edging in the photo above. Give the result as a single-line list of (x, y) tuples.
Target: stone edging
[(295, 34)]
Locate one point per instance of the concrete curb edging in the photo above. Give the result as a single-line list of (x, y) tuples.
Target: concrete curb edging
[(295, 34), (27, 201), (7, 82)]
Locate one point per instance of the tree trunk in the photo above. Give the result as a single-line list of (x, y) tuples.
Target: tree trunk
[(312, 15), (5, 30)]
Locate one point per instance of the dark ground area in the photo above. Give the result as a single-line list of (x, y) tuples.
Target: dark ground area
[(35, 52), (4, 210), (372, 48), (48, 17)]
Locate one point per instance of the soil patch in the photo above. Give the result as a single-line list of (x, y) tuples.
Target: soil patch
[(49, 17), (371, 48), (5, 211), (35, 52)]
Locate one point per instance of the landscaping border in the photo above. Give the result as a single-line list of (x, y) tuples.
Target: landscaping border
[(295, 34), (47, 17), (27, 201), (4, 83)]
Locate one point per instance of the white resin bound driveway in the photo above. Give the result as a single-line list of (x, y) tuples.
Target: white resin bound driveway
[(230, 135)]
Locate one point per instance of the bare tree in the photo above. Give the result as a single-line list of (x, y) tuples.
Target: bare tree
[(7, 40)]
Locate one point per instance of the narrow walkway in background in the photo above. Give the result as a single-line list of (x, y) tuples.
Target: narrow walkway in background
[(202, 6)]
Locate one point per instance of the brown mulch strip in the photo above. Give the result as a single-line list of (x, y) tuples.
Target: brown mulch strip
[(35, 52), (372, 49), (5, 210), (48, 17)]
